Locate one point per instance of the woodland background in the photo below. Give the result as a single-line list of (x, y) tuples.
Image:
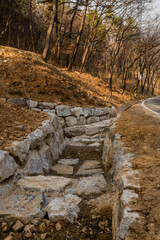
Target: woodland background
[(106, 38)]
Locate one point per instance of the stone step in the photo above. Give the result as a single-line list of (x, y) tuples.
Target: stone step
[(61, 169), (90, 167), (89, 129), (68, 162), (86, 140), (82, 151)]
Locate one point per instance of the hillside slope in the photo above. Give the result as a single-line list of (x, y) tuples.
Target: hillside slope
[(25, 74)]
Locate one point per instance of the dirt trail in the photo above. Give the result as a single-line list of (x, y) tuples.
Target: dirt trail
[(141, 135)]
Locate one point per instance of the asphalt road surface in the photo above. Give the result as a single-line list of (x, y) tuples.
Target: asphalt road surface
[(153, 104)]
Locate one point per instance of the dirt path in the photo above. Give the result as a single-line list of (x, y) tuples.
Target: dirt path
[(140, 131)]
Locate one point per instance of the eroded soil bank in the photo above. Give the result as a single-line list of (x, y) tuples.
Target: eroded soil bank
[(140, 133)]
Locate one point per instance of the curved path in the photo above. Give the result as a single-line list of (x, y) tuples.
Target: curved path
[(152, 104)]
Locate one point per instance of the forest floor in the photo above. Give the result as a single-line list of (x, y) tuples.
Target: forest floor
[(25, 75), (140, 134)]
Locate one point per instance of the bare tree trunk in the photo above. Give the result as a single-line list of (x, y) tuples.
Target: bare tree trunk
[(72, 19), (70, 29), (50, 29), (59, 35), (75, 50), (31, 25)]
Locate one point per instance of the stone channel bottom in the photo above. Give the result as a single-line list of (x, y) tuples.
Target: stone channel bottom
[(76, 182)]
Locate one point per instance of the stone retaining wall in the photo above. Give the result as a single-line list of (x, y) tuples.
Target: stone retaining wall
[(36, 153), (125, 179), (67, 116), (40, 149)]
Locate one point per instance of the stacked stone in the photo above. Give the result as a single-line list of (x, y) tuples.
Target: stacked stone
[(67, 116), (127, 184), (36, 153)]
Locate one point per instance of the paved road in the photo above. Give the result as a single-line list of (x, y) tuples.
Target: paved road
[(153, 104)]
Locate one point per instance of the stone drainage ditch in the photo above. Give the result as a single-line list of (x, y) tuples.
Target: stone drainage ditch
[(66, 180)]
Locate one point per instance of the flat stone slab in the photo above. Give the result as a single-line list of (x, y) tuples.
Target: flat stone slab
[(64, 208), (62, 169), (90, 167), (90, 185), (21, 206), (44, 183), (69, 162)]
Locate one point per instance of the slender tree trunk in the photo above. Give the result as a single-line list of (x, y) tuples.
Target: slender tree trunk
[(70, 29), (72, 19), (50, 29), (31, 25), (59, 36), (75, 50)]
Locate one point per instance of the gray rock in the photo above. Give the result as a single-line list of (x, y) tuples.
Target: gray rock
[(35, 138), (53, 143), (54, 121), (44, 183), (81, 120), (92, 120), (127, 219), (90, 185), (48, 111), (61, 121), (129, 180), (101, 111), (97, 128), (77, 111), (46, 105), (39, 161), (47, 128), (46, 158), (64, 208), (122, 163), (21, 206), (19, 150), (88, 112), (34, 165), (7, 165), (102, 118), (63, 111), (71, 121), (69, 162), (128, 196), (75, 131), (32, 104)]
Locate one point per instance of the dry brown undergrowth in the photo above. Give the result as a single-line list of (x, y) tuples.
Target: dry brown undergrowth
[(17, 122), (25, 74)]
